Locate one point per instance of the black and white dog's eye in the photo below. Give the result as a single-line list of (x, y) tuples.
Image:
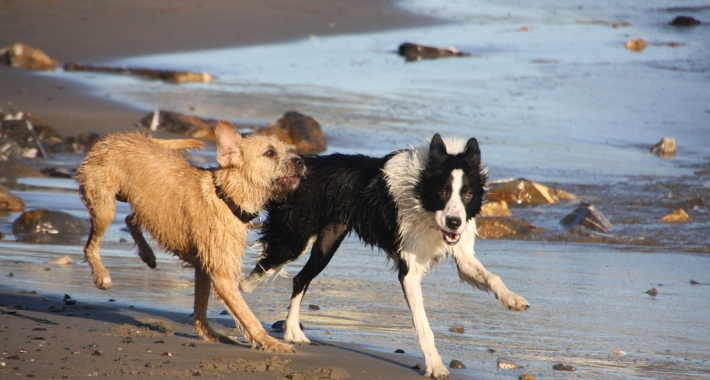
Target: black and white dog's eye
[(467, 196), (270, 153), (442, 193)]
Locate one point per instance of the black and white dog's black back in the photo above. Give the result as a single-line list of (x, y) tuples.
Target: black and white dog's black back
[(418, 205)]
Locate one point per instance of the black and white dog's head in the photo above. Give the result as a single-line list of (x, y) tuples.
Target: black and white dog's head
[(452, 186)]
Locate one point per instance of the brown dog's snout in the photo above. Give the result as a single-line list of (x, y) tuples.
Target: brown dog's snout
[(300, 165)]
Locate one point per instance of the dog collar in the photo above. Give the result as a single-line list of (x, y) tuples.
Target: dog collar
[(242, 215)]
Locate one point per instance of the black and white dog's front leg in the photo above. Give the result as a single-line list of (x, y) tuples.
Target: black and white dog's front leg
[(411, 279), (472, 271)]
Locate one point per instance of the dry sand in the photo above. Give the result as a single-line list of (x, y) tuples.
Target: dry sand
[(44, 338)]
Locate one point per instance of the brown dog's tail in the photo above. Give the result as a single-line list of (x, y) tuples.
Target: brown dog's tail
[(182, 144)]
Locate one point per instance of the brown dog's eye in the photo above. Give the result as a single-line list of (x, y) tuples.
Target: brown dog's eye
[(270, 153), (442, 193)]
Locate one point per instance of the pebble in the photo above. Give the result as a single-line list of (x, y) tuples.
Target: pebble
[(457, 364), (619, 353), (652, 292), (313, 307), (635, 45), (399, 351), (503, 364), (458, 329), (527, 376), (677, 216), (562, 367)]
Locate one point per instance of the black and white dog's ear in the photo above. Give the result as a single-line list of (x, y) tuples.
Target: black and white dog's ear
[(472, 153), (437, 149)]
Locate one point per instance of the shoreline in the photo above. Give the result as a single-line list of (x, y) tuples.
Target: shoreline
[(97, 32)]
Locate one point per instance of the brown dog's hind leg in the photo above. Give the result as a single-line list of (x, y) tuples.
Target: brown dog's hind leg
[(101, 211), (144, 250), (228, 292), (203, 286)]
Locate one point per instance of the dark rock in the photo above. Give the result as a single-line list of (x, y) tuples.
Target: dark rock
[(457, 329), (665, 148), (301, 131), (45, 226), (171, 76), (12, 169), (68, 300), (173, 122), (415, 52), (313, 307), (26, 57), (80, 143), (280, 325), (10, 201), (457, 364), (399, 351), (497, 227), (684, 21), (417, 366), (59, 172), (523, 192), (562, 367), (589, 217)]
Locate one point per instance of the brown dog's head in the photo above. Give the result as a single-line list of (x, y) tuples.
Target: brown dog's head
[(263, 161)]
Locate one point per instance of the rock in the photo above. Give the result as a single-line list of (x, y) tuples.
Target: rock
[(80, 143), (173, 122), (619, 353), (562, 367), (589, 217), (45, 226), (171, 76), (18, 139), (635, 45), (10, 201), (64, 260), (504, 364), (280, 325), (677, 216), (495, 208), (313, 307), (684, 21), (301, 131), (399, 351), (497, 227), (415, 52), (26, 57), (526, 376), (457, 364), (457, 329), (665, 148), (652, 292), (12, 170), (524, 192)]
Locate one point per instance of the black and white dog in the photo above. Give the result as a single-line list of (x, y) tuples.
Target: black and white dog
[(417, 204)]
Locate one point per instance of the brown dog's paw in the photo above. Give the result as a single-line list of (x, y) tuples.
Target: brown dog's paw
[(273, 345), (103, 283)]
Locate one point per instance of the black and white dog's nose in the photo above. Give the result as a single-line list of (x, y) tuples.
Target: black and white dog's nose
[(453, 222)]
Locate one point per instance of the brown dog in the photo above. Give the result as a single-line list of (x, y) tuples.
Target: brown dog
[(200, 215)]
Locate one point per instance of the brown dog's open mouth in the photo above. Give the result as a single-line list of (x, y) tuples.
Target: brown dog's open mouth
[(450, 238), (288, 181)]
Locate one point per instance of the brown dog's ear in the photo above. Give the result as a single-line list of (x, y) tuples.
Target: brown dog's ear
[(228, 152)]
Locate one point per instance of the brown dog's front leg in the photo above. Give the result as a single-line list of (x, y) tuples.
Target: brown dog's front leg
[(203, 286), (228, 291)]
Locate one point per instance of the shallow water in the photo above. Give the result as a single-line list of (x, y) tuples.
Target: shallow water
[(563, 104)]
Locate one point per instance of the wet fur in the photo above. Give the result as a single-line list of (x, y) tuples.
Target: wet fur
[(177, 203), (417, 205)]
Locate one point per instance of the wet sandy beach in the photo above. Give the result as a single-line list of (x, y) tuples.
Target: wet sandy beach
[(561, 102)]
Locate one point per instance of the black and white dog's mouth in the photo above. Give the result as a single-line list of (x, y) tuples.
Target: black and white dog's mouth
[(450, 238)]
